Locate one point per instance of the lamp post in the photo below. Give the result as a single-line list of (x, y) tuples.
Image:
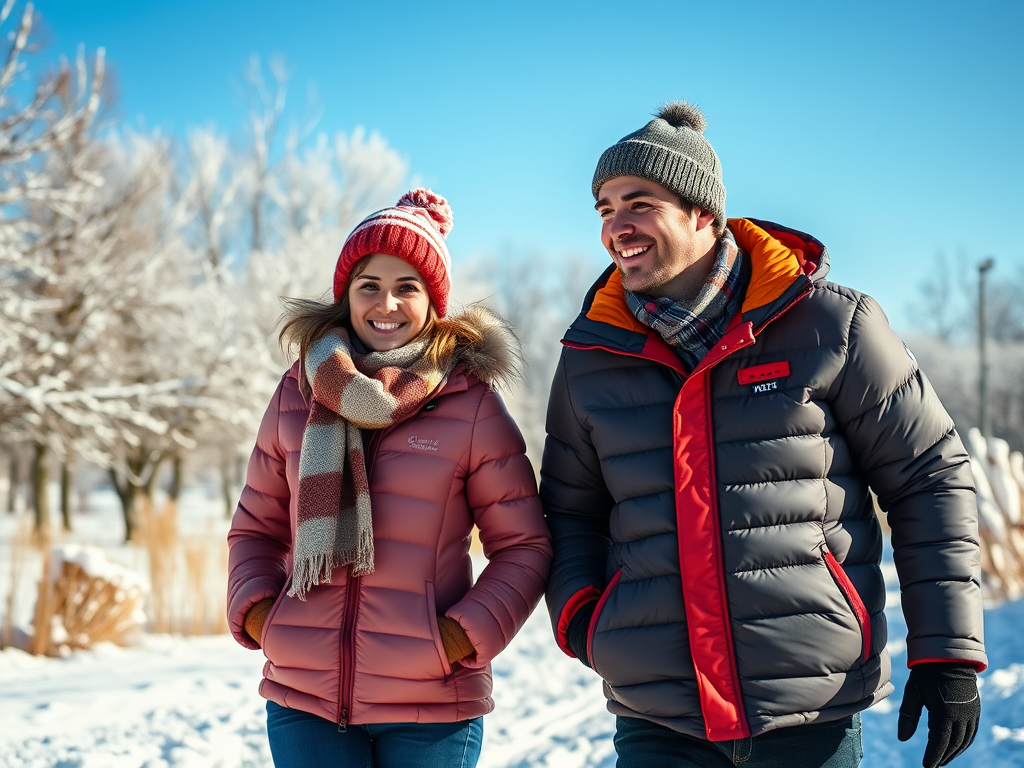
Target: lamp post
[(984, 416)]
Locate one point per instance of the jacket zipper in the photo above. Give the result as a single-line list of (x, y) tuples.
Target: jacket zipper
[(346, 649)]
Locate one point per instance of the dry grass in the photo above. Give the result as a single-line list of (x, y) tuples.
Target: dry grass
[(205, 565), (187, 574), (157, 533), (20, 545)]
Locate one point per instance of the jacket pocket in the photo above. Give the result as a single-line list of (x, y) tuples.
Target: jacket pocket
[(860, 611), (435, 632), (282, 596), (591, 630)]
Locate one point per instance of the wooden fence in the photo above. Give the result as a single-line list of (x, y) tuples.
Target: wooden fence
[(999, 476)]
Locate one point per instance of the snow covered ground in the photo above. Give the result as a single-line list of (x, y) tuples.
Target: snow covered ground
[(180, 702)]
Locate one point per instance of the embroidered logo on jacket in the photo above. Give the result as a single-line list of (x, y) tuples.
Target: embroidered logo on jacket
[(423, 443), (763, 377)]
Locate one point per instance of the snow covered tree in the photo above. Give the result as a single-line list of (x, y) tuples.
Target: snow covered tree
[(140, 287), (45, 176), (539, 296)]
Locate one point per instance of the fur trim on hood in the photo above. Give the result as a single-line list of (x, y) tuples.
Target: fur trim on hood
[(485, 346)]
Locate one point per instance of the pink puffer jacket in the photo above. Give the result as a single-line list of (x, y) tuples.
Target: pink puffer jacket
[(368, 649)]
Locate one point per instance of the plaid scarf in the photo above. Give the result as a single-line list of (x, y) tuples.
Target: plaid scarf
[(692, 328), (350, 392)]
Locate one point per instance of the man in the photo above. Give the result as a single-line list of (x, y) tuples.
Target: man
[(716, 420)]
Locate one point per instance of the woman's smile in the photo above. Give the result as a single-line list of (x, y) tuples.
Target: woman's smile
[(389, 303)]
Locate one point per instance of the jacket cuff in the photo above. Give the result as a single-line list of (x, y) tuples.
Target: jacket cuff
[(978, 666), (243, 601), (577, 601)]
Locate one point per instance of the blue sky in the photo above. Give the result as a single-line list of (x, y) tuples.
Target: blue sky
[(891, 131)]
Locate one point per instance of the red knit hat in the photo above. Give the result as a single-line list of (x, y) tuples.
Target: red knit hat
[(414, 230)]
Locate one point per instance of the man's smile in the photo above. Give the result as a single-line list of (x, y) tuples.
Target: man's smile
[(630, 253)]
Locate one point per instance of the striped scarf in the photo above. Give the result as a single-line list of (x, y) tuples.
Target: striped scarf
[(350, 392), (692, 328)]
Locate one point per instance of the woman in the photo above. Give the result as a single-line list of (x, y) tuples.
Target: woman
[(381, 449)]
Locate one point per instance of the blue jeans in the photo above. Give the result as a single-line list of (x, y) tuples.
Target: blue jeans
[(301, 740), (835, 744)]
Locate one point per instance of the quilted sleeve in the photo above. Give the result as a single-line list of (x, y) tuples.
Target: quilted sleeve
[(576, 505), (260, 536), (908, 448)]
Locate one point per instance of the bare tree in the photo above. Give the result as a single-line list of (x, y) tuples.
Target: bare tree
[(265, 102), (939, 304)]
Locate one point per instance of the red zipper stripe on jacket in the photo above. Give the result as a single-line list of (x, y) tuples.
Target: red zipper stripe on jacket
[(699, 525), (700, 564)]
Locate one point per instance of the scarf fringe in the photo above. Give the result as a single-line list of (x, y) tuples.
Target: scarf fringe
[(362, 563), (310, 571), (318, 569)]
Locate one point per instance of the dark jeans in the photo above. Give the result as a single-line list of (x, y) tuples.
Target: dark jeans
[(835, 744), (301, 740)]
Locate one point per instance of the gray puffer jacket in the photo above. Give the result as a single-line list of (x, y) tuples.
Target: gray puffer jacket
[(722, 520)]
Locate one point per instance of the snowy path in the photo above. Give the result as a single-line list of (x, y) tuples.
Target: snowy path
[(192, 703)]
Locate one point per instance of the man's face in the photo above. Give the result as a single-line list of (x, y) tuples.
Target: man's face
[(650, 236)]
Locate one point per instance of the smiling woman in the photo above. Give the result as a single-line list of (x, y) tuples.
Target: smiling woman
[(384, 445), (388, 302)]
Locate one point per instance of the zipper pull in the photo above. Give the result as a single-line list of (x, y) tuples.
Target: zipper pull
[(343, 720)]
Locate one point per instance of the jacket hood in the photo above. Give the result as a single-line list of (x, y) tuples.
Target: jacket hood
[(784, 263), (496, 358)]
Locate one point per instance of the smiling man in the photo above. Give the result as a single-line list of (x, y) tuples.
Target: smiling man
[(718, 419)]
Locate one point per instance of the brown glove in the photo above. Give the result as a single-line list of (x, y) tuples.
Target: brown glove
[(454, 639), (257, 617)]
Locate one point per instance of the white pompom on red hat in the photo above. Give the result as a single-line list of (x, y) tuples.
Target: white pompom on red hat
[(414, 230)]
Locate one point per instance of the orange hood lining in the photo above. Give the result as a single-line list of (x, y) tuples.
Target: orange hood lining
[(776, 260)]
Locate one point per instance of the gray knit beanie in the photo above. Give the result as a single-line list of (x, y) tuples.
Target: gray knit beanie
[(670, 150)]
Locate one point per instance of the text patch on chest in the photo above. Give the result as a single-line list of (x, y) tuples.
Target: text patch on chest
[(763, 379)]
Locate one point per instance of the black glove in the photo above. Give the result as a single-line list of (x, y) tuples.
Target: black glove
[(950, 691), (576, 634)]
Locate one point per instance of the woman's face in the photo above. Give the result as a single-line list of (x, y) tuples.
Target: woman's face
[(389, 303)]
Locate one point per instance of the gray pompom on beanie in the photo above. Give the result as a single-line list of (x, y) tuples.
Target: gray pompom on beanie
[(670, 150)]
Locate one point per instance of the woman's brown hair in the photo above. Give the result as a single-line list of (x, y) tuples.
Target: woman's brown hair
[(306, 320)]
